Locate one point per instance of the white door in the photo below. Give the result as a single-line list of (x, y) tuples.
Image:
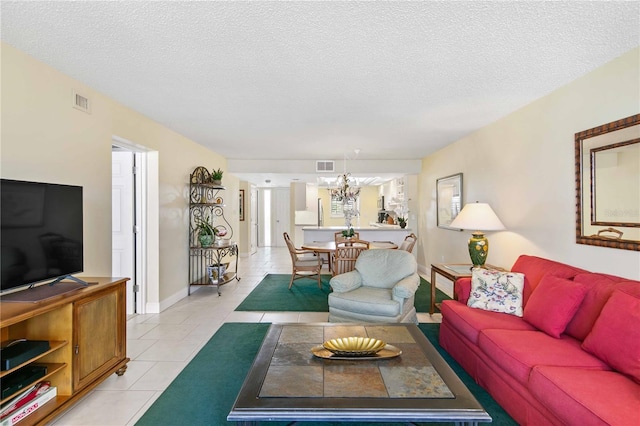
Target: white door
[(280, 223), (122, 222), (253, 217)]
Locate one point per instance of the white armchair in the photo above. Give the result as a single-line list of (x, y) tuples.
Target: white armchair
[(381, 289)]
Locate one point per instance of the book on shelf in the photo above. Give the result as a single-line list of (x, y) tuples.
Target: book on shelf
[(27, 403)]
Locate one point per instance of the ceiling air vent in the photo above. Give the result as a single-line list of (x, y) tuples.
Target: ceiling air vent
[(325, 166), (81, 102)]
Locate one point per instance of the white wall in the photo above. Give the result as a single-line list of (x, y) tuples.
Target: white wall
[(523, 166), (45, 139)]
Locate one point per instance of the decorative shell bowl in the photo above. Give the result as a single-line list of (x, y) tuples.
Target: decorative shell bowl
[(354, 346)]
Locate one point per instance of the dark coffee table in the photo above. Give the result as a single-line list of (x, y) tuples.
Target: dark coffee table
[(287, 382)]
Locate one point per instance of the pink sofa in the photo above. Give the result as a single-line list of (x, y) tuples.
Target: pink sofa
[(579, 364)]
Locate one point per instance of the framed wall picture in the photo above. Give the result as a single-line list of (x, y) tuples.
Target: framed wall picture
[(448, 199), (241, 205)]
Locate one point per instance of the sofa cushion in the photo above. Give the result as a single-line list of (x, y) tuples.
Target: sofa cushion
[(630, 287), (517, 352), (599, 288), (553, 304), (587, 397), (496, 291), (469, 322), (366, 300), (534, 268), (615, 337)]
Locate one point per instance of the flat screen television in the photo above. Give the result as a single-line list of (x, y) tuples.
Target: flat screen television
[(40, 232)]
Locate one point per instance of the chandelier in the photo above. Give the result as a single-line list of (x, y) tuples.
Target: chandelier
[(347, 190)]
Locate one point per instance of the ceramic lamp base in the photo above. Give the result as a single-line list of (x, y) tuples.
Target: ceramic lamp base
[(478, 249)]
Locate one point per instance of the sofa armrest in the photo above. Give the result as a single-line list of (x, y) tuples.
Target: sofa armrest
[(348, 281), (462, 289), (407, 287)]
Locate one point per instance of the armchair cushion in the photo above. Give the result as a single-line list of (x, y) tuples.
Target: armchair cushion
[(346, 282), (367, 300), (383, 268), (407, 287)]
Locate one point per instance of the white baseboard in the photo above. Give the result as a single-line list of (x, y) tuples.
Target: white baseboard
[(156, 308)]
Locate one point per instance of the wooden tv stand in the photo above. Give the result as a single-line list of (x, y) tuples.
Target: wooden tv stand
[(87, 334)]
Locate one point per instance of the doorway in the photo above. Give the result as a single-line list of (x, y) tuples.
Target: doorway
[(124, 211), (253, 217), (133, 212), (274, 210)]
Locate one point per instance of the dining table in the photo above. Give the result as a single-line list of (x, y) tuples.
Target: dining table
[(328, 247)]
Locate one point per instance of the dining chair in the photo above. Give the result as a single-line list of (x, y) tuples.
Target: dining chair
[(408, 243), (344, 257), (325, 260), (339, 238), (306, 263)]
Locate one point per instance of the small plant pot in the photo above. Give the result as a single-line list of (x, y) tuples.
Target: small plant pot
[(403, 225), (216, 181), (206, 240), (216, 272)]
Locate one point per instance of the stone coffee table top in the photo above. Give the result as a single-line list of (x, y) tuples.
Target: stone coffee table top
[(287, 382), (295, 372)]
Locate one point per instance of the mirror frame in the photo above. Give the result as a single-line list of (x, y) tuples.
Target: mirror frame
[(441, 183), (580, 167)]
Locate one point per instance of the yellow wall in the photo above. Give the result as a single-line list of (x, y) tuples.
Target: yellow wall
[(523, 166), (368, 207), (45, 139)]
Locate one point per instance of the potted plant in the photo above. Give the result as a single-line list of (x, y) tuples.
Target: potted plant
[(402, 221), (216, 177), (348, 233), (206, 233)]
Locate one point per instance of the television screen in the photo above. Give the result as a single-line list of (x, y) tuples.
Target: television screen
[(40, 232)]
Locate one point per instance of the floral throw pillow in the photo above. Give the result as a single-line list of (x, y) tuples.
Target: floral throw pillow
[(496, 291)]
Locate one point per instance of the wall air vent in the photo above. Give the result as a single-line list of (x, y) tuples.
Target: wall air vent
[(325, 166), (81, 102)]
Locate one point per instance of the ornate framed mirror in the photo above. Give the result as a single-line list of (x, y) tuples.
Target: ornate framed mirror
[(607, 160), (448, 200)]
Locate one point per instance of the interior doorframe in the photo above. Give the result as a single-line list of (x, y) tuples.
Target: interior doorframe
[(280, 215), (269, 201), (147, 211)]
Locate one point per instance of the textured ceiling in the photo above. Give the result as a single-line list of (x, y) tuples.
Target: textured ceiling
[(316, 80)]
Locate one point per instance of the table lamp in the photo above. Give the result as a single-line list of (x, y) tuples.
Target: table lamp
[(477, 217)]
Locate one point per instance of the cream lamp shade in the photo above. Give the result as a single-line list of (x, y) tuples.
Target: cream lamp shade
[(478, 217)]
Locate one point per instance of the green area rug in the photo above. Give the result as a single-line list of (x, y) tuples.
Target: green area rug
[(273, 295), (204, 392)]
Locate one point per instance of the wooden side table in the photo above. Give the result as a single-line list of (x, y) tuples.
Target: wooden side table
[(451, 271)]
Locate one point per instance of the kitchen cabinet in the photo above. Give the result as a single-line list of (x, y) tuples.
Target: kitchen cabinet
[(305, 196)]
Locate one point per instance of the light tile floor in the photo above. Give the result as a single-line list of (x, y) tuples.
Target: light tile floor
[(161, 345)]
